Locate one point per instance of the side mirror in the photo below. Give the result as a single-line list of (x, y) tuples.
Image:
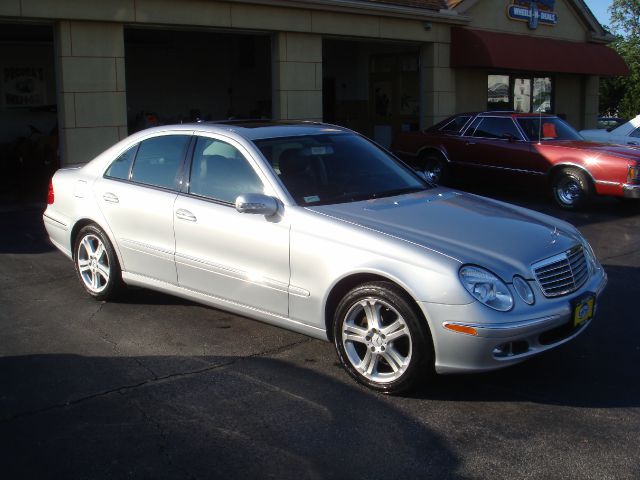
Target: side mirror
[(257, 203), (509, 136)]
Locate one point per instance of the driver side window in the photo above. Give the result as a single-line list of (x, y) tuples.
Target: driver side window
[(220, 172)]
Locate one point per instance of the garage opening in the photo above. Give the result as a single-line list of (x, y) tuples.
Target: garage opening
[(182, 76), (28, 118), (371, 87)]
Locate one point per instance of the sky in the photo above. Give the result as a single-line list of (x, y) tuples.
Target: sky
[(599, 9)]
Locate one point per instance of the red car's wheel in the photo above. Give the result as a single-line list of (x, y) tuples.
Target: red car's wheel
[(433, 167), (571, 189)]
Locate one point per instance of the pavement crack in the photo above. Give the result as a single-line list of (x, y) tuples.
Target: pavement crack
[(164, 441), (156, 379)]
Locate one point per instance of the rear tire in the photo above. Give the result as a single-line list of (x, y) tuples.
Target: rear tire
[(97, 264), (571, 189), (381, 338)]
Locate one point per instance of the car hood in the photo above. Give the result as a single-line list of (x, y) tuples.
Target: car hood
[(601, 148), (504, 238)]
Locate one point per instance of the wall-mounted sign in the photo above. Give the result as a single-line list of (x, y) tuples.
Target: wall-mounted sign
[(534, 12), (23, 86)]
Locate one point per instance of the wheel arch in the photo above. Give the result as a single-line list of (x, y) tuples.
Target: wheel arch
[(348, 282), (83, 222), (431, 149), (557, 168)]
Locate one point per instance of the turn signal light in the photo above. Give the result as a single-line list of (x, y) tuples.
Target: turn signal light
[(50, 195), (461, 328), (634, 174)]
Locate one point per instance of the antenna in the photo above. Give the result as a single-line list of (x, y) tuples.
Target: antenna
[(539, 124)]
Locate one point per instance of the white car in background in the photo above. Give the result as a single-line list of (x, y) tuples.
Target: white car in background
[(626, 134)]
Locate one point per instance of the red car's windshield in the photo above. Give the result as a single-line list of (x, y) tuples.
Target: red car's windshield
[(547, 128)]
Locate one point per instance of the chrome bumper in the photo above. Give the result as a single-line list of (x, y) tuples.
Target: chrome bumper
[(631, 191)]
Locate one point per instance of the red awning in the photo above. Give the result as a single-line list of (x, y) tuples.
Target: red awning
[(476, 48)]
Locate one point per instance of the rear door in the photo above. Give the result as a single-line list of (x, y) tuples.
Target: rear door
[(137, 196)]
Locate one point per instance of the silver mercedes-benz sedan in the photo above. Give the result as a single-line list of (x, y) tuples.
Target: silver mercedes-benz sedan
[(316, 229)]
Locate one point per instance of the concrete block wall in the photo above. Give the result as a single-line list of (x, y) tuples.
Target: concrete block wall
[(437, 84), (297, 76), (92, 107)]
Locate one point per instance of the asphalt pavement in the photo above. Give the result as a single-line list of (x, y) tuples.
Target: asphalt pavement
[(158, 387)]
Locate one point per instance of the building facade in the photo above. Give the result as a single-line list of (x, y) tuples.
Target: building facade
[(87, 73)]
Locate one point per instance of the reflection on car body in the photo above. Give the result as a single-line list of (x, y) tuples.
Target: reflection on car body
[(314, 228)]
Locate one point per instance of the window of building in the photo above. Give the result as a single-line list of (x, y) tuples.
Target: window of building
[(521, 93), (221, 172), (159, 159)]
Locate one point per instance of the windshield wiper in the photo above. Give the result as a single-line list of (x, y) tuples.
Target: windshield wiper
[(398, 191)]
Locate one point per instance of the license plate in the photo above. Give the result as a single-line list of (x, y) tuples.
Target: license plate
[(583, 309)]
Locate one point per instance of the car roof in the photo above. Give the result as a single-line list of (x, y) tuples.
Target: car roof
[(492, 113), (259, 129)]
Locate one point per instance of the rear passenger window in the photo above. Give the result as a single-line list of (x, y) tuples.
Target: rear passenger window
[(455, 125), (158, 160), (121, 165), (220, 172)]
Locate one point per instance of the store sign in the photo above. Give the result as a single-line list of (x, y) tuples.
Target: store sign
[(23, 86), (534, 12)]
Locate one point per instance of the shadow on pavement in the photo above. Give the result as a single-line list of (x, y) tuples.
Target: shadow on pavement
[(23, 231), (67, 416)]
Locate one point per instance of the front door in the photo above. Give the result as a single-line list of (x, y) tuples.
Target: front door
[(235, 257)]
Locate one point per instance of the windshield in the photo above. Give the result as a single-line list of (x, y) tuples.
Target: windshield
[(547, 128), (337, 168)]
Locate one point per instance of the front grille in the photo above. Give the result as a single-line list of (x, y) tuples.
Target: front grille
[(563, 273)]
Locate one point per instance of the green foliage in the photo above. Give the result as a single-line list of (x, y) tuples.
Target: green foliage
[(621, 95)]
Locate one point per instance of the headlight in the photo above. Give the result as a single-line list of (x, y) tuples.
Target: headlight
[(486, 287)]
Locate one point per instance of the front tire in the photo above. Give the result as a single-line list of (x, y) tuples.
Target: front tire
[(571, 189), (433, 167), (381, 339), (96, 264)]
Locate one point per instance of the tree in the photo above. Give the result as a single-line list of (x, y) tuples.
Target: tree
[(621, 95)]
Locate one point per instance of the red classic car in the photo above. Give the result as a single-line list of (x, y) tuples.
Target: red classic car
[(523, 147)]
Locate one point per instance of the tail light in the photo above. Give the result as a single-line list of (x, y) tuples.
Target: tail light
[(50, 195)]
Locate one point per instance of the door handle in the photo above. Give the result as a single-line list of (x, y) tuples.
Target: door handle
[(110, 197), (183, 214), (470, 143), (632, 143)]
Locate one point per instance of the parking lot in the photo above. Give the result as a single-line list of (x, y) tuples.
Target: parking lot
[(157, 387)]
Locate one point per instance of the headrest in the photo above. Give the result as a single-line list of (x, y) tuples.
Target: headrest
[(549, 130), (292, 161)]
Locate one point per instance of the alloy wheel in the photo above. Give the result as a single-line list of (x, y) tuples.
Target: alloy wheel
[(377, 340), (93, 263)]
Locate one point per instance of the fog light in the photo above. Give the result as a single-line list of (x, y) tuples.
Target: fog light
[(511, 349)]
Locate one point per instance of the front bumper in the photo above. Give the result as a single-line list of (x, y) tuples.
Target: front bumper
[(631, 191), (529, 329)]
